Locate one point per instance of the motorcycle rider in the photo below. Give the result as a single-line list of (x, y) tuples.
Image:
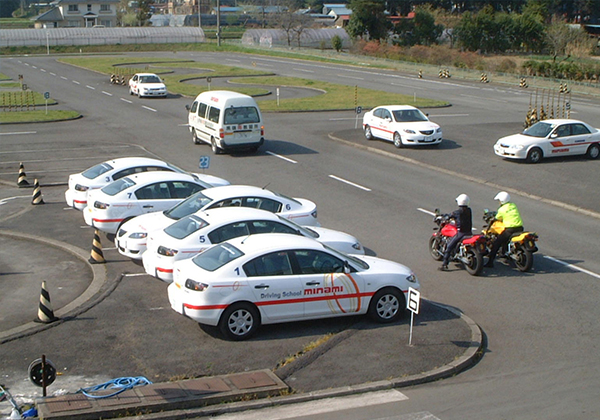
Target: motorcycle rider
[(509, 214), (464, 226)]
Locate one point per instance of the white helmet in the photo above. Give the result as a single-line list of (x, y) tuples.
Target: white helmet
[(503, 197), (463, 200)]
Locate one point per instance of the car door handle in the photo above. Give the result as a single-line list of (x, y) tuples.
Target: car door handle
[(261, 286), (313, 283), (148, 207)]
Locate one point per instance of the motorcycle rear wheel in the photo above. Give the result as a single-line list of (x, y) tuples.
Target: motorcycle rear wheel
[(434, 249), (475, 262), (523, 260)]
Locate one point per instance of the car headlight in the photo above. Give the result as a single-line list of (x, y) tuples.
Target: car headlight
[(438, 130), (406, 130), (195, 285), (516, 147), (412, 278), (101, 206), (138, 235), (167, 252), (82, 188)]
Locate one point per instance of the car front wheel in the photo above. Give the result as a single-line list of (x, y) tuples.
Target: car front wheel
[(535, 155), (387, 305), (593, 151), (239, 321), (195, 138), (368, 133), (398, 140)]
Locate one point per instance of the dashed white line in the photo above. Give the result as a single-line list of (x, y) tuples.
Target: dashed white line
[(76, 82), (407, 86), (231, 59), (281, 157), (14, 133), (90, 87), (483, 99), (305, 71), (345, 181), (52, 74), (350, 77), (107, 93), (35, 67), (43, 70), (149, 109), (126, 100), (573, 267), (63, 77)]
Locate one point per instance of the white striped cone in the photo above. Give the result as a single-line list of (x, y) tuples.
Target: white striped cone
[(22, 180), (45, 312), (96, 256), (37, 194)]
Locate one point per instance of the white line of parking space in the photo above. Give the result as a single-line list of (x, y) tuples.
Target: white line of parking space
[(149, 109), (56, 160), (345, 181), (573, 267), (281, 157), (17, 133), (135, 274)]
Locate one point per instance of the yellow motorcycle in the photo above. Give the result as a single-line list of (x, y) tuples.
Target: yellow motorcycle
[(520, 248)]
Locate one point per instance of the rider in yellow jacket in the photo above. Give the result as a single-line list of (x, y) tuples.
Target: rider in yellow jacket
[(509, 214)]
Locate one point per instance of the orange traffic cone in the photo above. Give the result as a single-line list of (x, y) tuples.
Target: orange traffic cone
[(96, 256), (45, 312)]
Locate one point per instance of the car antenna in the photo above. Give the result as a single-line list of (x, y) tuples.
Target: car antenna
[(266, 186), (247, 236)]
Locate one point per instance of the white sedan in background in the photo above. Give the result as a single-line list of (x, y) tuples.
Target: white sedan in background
[(147, 84), (106, 172), (131, 238), (193, 234), (264, 279), (121, 200), (404, 125), (550, 138)]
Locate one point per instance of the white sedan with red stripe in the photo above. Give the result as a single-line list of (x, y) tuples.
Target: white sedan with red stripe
[(271, 278), (121, 200), (551, 138)]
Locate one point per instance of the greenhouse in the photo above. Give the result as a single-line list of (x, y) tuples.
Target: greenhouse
[(311, 38), (99, 36)]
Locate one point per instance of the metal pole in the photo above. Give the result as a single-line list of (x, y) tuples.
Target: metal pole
[(218, 23), (412, 315)]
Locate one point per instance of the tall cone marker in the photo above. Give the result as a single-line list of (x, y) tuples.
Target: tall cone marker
[(96, 256), (22, 180), (37, 194), (45, 312)]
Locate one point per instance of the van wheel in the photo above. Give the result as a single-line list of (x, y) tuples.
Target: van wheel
[(213, 144), (195, 138)]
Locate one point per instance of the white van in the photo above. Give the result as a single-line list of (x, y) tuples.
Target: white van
[(226, 120)]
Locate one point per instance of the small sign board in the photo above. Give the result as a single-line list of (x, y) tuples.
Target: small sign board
[(358, 109), (204, 162), (414, 300), (46, 95), (24, 86)]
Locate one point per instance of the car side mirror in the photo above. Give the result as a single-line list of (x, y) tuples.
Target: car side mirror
[(346, 267), (553, 135), (187, 107)]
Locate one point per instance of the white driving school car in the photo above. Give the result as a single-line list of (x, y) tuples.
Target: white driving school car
[(106, 172), (147, 84), (131, 238), (404, 125), (193, 234), (264, 279), (550, 138), (125, 198)]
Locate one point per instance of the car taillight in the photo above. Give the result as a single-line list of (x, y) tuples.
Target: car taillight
[(262, 130), (101, 206), (195, 285), (167, 252), (79, 187), (221, 133)]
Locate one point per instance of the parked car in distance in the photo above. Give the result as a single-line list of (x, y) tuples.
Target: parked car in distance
[(404, 125), (147, 84), (132, 236), (264, 279), (106, 172), (112, 205), (195, 233), (550, 138)]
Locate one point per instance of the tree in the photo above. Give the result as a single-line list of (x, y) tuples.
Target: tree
[(336, 43), (561, 37), (426, 31), (143, 12), (368, 19)]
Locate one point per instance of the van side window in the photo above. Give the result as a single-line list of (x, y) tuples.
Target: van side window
[(202, 110), (194, 107), (213, 114)]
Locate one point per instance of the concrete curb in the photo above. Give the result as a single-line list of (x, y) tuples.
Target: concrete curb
[(68, 311)]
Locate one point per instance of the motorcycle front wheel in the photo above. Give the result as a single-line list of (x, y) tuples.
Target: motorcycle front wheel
[(474, 264), (434, 249), (523, 260)]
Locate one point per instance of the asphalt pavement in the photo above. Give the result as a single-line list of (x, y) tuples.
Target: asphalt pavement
[(103, 331)]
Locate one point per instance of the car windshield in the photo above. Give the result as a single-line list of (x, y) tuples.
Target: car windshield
[(304, 230), (150, 79), (217, 256), (188, 206), (185, 226), (96, 171), (241, 115), (409, 115), (117, 186), (539, 129)]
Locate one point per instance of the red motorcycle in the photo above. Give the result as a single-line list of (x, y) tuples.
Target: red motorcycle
[(468, 252)]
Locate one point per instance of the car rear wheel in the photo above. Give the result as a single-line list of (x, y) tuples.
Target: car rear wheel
[(368, 133), (535, 155), (239, 321), (387, 305), (195, 138), (593, 151), (213, 144), (398, 140)]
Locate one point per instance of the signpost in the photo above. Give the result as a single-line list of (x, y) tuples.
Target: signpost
[(204, 162), (412, 304), (208, 80), (46, 96), (358, 111)]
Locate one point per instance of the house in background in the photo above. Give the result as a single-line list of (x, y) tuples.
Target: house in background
[(340, 12), (79, 14)]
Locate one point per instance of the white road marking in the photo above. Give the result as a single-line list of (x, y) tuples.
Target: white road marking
[(43, 70), (107, 93), (305, 71), (126, 100), (231, 59), (281, 157), (483, 99), (7, 199), (337, 178), (52, 74), (312, 408), (64, 150), (573, 267), (407, 86), (149, 109), (76, 82), (90, 87), (14, 133), (35, 67), (63, 77), (135, 274), (350, 77)]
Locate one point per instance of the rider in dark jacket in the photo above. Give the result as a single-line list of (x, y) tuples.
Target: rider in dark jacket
[(464, 225)]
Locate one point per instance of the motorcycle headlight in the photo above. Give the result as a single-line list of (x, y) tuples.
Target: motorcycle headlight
[(195, 285), (167, 252), (138, 235)]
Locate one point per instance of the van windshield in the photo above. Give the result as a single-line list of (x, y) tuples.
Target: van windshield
[(241, 115)]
